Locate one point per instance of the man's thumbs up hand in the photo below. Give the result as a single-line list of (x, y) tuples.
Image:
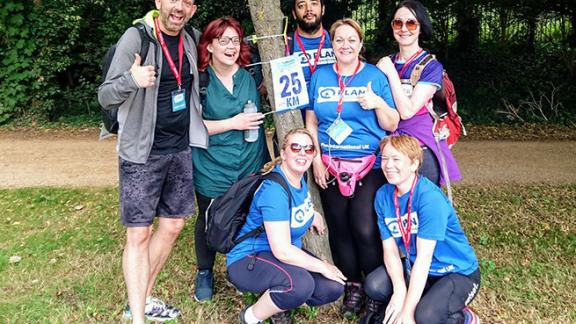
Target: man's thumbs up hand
[(144, 76)]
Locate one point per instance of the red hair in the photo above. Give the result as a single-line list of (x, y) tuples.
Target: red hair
[(214, 30)]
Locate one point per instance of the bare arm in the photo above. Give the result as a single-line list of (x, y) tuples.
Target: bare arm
[(396, 273), (279, 238), (418, 278), (406, 106)]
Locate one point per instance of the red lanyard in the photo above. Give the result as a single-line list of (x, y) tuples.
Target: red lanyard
[(318, 53), (343, 86), (405, 231), (177, 73), (405, 66)]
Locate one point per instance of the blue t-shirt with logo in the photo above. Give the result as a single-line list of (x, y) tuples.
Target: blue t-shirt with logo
[(433, 218), (311, 46), (270, 204), (366, 132)]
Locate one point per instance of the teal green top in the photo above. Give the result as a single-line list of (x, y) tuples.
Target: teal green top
[(228, 157)]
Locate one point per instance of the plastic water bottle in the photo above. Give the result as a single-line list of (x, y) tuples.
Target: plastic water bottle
[(250, 135)]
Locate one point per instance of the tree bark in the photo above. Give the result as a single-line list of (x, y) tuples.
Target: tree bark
[(268, 19)]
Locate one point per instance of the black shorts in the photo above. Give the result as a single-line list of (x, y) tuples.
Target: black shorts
[(163, 187)]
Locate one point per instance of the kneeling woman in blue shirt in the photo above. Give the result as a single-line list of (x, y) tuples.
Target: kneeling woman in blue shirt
[(274, 262), (440, 273)]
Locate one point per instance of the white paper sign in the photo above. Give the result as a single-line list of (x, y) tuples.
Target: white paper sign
[(289, 84)]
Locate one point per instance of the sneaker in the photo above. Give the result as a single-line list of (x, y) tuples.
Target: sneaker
[(155, 310), (353, 297), (374, 312), (204, 286), (241, 316), (281, 318), (470, 317)]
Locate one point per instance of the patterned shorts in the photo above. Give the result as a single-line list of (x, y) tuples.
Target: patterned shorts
[(163, 187)]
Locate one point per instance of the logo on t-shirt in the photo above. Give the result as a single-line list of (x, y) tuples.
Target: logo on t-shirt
[(332, 94), (392, 224), (302, 213), (326, 57)]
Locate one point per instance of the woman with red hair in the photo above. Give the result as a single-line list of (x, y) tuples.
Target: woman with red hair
[(221, 56)]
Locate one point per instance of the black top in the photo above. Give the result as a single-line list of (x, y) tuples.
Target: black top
[(171, 132)]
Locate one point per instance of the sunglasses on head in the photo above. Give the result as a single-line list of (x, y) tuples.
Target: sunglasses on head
[(411, 24), (308, 149)]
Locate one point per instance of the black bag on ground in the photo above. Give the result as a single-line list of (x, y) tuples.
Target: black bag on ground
[(227, 214)]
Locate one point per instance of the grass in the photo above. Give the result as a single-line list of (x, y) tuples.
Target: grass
[(70, 242)]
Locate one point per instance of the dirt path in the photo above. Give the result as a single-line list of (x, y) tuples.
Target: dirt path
[(78, 159)]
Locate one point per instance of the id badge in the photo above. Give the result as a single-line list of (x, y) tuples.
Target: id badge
[(339, 131), (178, 100)]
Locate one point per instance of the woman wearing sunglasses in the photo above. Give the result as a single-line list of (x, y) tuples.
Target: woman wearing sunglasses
[(439, 275), (409, 25), (221, 57), (351, 110), (274, 263)]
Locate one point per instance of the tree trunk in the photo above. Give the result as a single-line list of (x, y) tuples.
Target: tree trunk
[(268, 20)]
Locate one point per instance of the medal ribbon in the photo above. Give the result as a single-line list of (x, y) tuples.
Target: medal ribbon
[(343, 86), (177, 72), (405, 231)]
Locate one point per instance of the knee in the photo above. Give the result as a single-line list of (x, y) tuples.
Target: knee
[(137, 237), (426, 313), (172, 226), (377, 285), (300, 292), (328, 292)]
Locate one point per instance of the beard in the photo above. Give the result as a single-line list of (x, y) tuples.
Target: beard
[(309, 27)]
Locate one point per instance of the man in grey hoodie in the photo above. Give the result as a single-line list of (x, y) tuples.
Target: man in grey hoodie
[(159, 119)]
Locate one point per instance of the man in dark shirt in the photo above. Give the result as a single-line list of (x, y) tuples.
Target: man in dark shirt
[(159, 118)]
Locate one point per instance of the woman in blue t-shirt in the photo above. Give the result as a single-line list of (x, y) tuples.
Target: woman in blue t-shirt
[(351, 110), (274, 262), (409, 25), (439, 275)]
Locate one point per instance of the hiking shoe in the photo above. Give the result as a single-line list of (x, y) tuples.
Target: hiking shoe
[(281, 318), (373, 313), (155, 310), (204, 286), (353, 297)]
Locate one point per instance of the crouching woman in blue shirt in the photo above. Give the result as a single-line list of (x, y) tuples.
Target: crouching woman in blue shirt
[(274, 262), (439, 276)]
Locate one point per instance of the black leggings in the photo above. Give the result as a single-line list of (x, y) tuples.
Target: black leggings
[(430, 167), (204, 256), (442, 300), (353, 230)]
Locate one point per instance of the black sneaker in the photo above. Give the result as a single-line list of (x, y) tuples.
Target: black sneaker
[(281, 318), (204, 286), (353, 298), (373, 313)]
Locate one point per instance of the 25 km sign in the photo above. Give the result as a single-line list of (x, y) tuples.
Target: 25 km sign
[(289, 84)]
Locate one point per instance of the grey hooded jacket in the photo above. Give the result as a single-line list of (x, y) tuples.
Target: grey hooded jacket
[(137, 111)]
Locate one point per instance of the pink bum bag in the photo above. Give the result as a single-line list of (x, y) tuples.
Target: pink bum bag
[(348, 171)]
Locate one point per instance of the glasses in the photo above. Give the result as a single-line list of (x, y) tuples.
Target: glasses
[(224, 40), (297, 148), (410, 24)]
